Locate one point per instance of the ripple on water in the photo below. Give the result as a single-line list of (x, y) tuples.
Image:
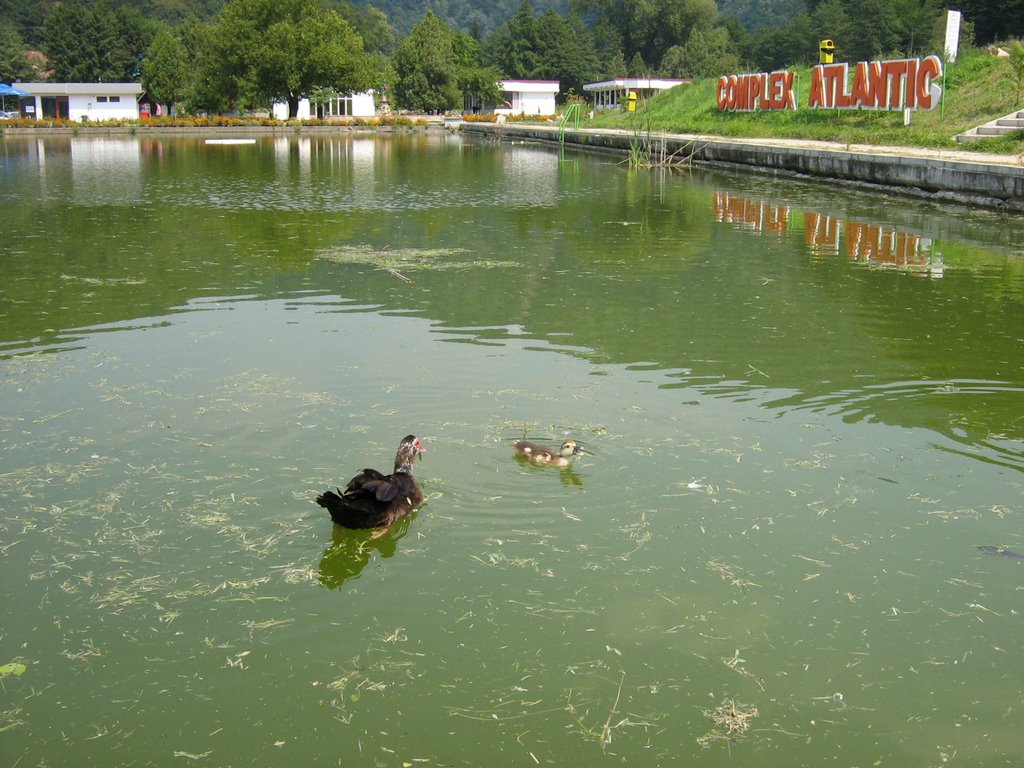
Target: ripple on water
[(981, 417)]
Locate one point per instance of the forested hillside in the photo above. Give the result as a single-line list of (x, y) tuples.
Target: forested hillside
[(478, 17), (475, 16), (991, 19), (758, 14)]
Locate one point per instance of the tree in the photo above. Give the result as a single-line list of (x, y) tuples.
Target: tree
[(481, 83), (754, 15), (474, 79), (27, 17), (608, 45), (548, 47), (371, 24), (637, 67), (78, 38), (780, 47), (206, 92), (515, 47), (707, 53), (568, 49), (14, 64), (89, 42), (427, 73), (650, 27), (132, 36), (264, 51), (879, 29), (679, 18), (166, 70), (994, 19)]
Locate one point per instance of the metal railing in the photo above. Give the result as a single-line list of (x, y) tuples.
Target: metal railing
[(572, 112)]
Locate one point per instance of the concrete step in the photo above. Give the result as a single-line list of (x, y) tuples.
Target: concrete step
[(999, 127)]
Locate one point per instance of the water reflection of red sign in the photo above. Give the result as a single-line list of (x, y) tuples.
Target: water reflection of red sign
[(885, 247), (821, 233), (758, 215), (873, 245)]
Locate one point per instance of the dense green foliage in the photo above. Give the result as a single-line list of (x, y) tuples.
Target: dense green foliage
[(263, 51), (435, 65), (477, 17), (166, 71), (546, 47), (90, 42), (14, 65)]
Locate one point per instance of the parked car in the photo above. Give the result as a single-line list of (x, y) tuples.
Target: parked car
[(8, 115)]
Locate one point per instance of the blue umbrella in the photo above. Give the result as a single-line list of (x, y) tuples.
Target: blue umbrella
[(7, 90)]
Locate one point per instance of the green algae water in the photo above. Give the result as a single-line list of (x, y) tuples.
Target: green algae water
[(804, 407)]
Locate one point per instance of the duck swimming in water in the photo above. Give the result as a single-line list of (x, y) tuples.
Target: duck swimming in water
[(375, 500), (554, 457)]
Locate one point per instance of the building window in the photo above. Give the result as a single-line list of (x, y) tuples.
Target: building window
[(336, 106), (101, 99), (342, 106)]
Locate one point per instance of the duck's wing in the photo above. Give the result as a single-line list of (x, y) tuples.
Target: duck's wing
[(526, 448), (362, 480), (392, 487)]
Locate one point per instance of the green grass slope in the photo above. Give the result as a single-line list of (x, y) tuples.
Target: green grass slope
[(978, 88)]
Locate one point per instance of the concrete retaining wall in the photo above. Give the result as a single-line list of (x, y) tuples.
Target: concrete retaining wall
[(986, 180)]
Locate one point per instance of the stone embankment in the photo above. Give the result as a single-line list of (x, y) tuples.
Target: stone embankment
[(989, 180)]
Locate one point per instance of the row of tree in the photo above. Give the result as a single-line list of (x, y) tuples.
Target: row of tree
[(255, 52)]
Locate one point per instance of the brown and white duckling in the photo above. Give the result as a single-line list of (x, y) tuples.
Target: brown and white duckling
[(539, 454), (375, 500)]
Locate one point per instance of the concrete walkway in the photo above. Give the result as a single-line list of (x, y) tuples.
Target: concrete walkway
[(975, 178)]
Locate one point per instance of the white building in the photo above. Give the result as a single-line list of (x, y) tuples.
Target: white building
[(520, 97), (80, 101), (528, 97), (340, 107), (611, 94)]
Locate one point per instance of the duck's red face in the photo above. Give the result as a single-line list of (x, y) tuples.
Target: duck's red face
[(411, 447)]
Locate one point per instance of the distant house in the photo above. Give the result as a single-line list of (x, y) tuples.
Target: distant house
[(611, 94), (80, 101), (520, 97), (528, 97), (338, 108)]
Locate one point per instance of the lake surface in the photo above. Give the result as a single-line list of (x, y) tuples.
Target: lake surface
[(804, 407)]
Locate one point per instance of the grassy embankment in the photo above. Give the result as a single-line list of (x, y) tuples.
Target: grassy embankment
[(978, 88)]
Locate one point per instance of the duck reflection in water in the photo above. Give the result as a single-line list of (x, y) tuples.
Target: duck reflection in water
[(351, 550)]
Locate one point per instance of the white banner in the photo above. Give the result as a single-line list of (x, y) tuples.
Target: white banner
[(952, 34)]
